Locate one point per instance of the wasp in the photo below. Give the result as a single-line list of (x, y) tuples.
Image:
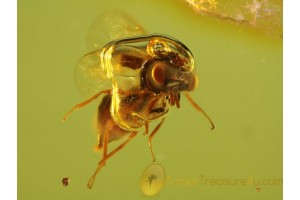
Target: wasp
[(147, 74)]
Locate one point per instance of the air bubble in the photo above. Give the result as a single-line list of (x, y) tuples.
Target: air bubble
[(152, 179), (158, 48)]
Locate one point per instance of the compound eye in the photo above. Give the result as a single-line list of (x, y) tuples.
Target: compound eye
[(158, 48), (159, 74)]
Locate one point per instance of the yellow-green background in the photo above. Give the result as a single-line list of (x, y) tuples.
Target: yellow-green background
[(240, 88)]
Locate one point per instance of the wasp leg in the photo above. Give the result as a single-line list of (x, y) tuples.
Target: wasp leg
[(197, 107), (152, 135), (146, 123), (102, 162), (151, 106), (105, 142), (172, 99), (177, 103), (146, 127), (102, 145), (80, 105)]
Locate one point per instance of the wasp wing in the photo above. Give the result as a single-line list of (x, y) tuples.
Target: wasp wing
[(90, 73), (111, 26), (90, 77)]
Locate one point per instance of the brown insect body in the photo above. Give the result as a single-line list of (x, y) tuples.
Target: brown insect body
[(147, 75), (135, 110), (106, 123)]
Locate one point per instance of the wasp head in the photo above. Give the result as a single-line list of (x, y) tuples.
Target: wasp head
[(170, 73)]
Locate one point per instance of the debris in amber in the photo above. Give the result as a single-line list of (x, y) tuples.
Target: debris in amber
[(65, 181)]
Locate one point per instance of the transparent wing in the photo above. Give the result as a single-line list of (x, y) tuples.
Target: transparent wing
[(90, 74), (110, 26)]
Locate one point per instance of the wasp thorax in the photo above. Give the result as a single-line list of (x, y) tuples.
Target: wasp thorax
[(158, 47)]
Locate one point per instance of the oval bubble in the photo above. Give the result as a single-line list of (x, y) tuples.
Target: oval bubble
[(152, 179)]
